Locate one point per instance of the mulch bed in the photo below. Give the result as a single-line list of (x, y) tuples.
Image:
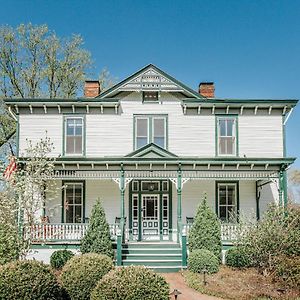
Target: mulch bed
[(245, 284)]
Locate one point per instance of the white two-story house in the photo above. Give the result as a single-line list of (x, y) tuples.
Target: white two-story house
[(150, 148)]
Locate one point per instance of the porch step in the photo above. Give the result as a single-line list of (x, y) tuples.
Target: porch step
[(160, 257)]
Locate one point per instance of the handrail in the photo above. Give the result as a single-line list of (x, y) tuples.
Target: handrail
[(181, 235)]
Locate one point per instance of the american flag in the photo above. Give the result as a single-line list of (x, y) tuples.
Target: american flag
[(12, 166)]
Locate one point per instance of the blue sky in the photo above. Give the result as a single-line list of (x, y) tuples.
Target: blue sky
[(250, 49)]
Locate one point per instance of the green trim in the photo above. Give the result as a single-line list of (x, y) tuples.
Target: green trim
[(184, 250), (65, 117), (179, 194), (280, 102), (237, 195), (54, 102), (151, 147), (183, 86), (229, 116), (285, 192), (18, 136), (257, 197), (140, 193), (60, 245), (63, 198), (150, 118)]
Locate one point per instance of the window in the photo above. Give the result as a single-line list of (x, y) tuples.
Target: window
[(226, 132), (74, 135), (150, 129), (227, 201), (150, 96), (73, 203)]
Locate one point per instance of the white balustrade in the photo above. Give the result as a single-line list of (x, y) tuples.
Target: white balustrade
[(60, 232)]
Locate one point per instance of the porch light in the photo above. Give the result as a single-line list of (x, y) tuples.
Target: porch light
[(175, 293)]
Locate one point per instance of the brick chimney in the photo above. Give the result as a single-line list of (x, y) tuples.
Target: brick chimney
[(91, 88), (207, 89)]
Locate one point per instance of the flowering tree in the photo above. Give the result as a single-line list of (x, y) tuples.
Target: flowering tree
[(23, 199)]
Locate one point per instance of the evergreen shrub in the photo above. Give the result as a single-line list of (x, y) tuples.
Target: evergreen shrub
[(9, 243), (131, 283), (59, 258), (81, 273), (238, 257), (30, 280), (97, 238), (205, 232), (203, 259)]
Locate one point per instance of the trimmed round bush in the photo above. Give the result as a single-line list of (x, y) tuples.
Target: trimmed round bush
[(81, 273), (131, 283), (28, 279), (59, 258), (202, 259), (237, 257)]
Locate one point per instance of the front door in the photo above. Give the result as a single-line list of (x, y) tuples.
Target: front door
[(150, 217), (150, 210)]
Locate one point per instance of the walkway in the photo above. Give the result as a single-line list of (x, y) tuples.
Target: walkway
[(176, 281)]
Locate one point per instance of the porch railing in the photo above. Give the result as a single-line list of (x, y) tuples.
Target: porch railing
[(61, 232), (74, 232), (228, 231)]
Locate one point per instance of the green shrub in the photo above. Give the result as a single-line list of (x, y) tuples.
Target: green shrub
[(131, 283), (288, 270), (81, 273), (203, 259), (28, 280), (59, 258), (277, 234), (97, 238), (205, 232), (238, 257), (9, 243)]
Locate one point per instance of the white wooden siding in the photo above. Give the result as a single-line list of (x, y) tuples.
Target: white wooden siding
[(188, 135), (269, 194), (247, 199), (112, 135), (35, 127), (260, 136)]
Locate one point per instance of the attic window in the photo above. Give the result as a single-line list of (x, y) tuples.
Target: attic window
[(150, 96)]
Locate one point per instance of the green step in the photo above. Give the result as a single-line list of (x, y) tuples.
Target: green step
[(147, 245), (172, 269), (153, 263), (151, 257), (161, 251)]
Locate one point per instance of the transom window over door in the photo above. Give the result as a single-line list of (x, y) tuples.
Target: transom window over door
[(73, 202), (227, 136), (74, 138), (227, 201), (150, 129)]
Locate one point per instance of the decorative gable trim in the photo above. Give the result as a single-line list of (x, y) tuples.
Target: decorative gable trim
[(150, 78), (151, 151)]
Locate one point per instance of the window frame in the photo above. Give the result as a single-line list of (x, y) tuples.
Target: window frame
[(237, 198), (151, 101), (64, 190), (217, 135), (65, 136), (150, 139)]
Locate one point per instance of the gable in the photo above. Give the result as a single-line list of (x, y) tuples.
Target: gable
[(151, 151), (150, 78)]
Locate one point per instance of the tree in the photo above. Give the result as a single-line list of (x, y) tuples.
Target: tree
[(294, 185), (206, 230), (23, 198), (97, 238), (35, 62)]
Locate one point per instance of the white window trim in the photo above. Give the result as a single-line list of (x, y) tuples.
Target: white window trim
[(234, 130), (165, 130), (148, 129), (235, 200), (66, 136)]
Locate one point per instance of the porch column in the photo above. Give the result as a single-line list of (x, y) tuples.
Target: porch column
[(179, 190), (122, 189), (281, 188)]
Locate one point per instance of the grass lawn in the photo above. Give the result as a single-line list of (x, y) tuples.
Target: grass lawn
[(247, 284)]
